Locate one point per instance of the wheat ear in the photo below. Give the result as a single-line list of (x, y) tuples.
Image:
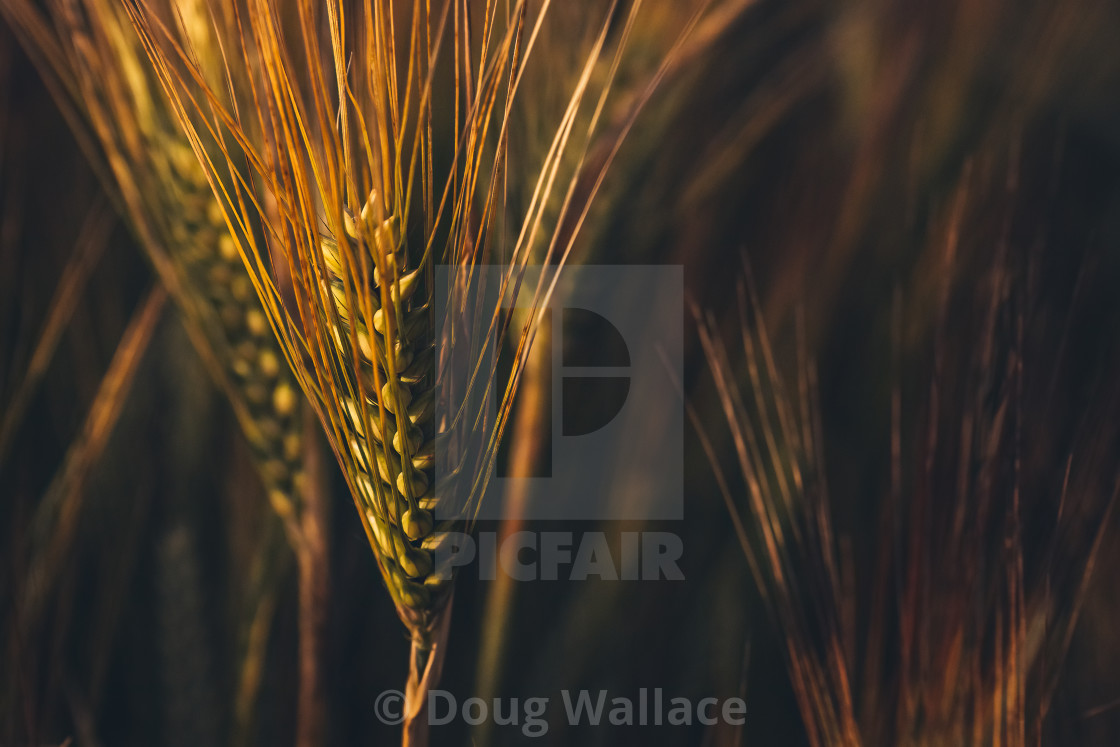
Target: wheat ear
[(341, 142)]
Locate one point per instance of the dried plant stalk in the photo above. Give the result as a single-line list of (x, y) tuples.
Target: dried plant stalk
[(361, 204)]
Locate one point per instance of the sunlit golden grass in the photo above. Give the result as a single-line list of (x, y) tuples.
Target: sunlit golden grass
[(375, 148)]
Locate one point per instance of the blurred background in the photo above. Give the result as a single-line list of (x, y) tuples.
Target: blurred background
[(920, 204)]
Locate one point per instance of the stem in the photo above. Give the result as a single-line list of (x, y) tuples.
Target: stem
[(270, 568), (314, 581), (425, 668), (531, 422)]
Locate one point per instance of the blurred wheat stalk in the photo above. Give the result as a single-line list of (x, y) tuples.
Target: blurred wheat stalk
[(92, 60), (955, 630)]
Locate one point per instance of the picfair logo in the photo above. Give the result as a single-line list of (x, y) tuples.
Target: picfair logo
[(612, 446)]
